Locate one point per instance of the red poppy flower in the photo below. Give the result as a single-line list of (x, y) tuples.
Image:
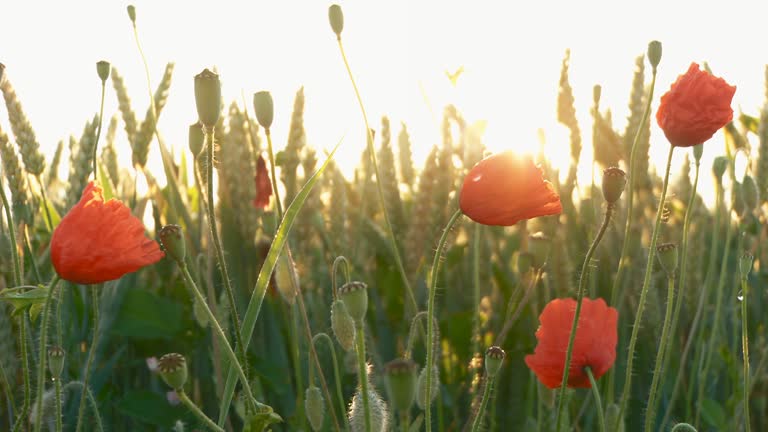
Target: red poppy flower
[(506, 188), (263, 185), (100, 241), (595, 344), (695, 107)]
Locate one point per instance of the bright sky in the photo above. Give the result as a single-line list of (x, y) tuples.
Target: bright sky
[(399, 51)]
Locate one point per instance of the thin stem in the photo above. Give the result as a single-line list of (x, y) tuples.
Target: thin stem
[(9, 395), (477, 233), (57, 412), (660, 354), (380, 192), (341, 259), (220, 252), (478, 422), (43, 349), (91, 354), (583, 279), (362, 373), (745, 350), (12, 236), (596, 395), (21, 421), (271, 153), (336, 375), (48, 217), (220, 333), (297, 375), (644, 291), (197, 411), (91, 400), (430, 320), (98, 130)]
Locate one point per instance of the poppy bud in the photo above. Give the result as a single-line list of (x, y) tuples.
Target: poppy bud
[(264, 108), (56, 361), (614, 180), (719, 166), (286, 278), (737, 199), (208, 97), (494, 357), (355, 297), (172, 240), (524, 262), (315, 407), (538, 248), (342, 325), (336, 17), (667, 253), (196, 138), (654, 53), (173, 370), (698, 151), (745, 264), (103, 68), (401, 383), (751, 193), (421, 388), (376, 407), (132, 13)]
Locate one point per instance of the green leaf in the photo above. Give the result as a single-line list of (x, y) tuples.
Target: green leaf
[(144, 315), (21, 298), (261, 421), (254, 305), (713, 413), (150, 407), (750, 123)]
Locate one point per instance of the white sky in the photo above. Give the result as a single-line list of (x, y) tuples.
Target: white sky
[(511, 52)]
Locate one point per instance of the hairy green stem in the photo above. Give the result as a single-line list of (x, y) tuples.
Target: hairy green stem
[(12, 237), (275, 192), (91, 355), (336, 375), (98, 132), (362, 372), (643, 292), (477, 233), (91, 400), (745, 350), (583, 278), (57, 412), (297, 375), (21, 421), (197, 411), (598, 401), (477, 424), (41, 368), (660, 354)]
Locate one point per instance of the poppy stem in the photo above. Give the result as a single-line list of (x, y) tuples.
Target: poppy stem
[(643, 292), (745, 349), (430, 320), (91, 355), (271, 154), (583, 279), (98, 134), (660, 355), (57, 412), (596, 395), (362, 373), (488, 388), (336, 375), (197, 411), (41, 368)]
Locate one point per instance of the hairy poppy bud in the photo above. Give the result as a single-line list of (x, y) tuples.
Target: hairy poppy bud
[(654, 53), (377, 408), (132, 13), (342, 325), (421, 388), (172, 239), (401, 383), (208, 97), (196, 138), (315, 407), (494, 357), (173, 370), (538, 247), (614, 181), (264, 107), (355, 297), (103, 68), (56, 361), (667, 253), (751, 193), (336, 17), (719, 165), (745, 264)]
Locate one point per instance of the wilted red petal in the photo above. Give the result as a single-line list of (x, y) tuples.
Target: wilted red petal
[(100, 241), (695, 107), (505, 188), (263, 184), (595, 344)]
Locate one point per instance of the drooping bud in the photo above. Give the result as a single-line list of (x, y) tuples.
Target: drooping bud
[(315, 407), (342, 325), (401, 383), (336, 17), (745, 264), (421, 389), (208, 97), (751, 193), (654, 53), (132, 13), (196, 138), (103, 68), (494, 357), (698, 151), (56, 357), (286, 277), (538, 248), (614, 181), (172, 239), (355, 297), (173, 370), (667, 253), (719, 165), (264, 107)]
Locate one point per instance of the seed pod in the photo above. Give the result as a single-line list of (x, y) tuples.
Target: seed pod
[(172, 240), (342, 325), (401, 383), (421, 390), (745, 264), (614, 181), (103, 68), (315, 407), (667, 253), (264, 107), (208, 97), (355, 297), (698, 151), (719, 165), (336, 17), (654, 53), (173, 370), (56, 361), (494, 357), (132, 13)]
